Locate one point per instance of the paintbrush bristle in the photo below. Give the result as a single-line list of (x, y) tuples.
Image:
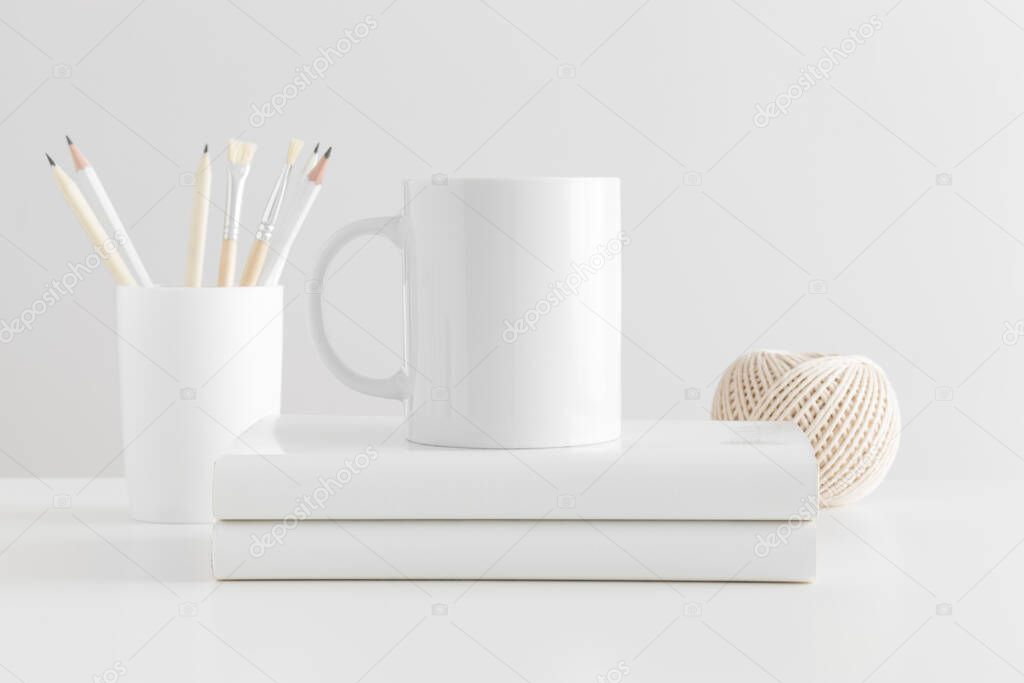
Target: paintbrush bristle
[(241, 153), (294, 147)]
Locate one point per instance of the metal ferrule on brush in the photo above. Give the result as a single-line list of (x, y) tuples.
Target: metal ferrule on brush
[(233, 216), (273, 208)]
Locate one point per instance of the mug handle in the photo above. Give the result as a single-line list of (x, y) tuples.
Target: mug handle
[(397, 386)]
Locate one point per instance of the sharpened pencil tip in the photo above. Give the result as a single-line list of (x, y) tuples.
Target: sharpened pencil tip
[(68, 138), (327, 154), (206, 148), (50, 159), (316, 148)]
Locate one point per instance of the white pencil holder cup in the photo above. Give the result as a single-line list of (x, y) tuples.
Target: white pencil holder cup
[(198, 366)]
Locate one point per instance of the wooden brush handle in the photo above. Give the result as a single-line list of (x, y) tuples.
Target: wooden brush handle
[(254, 264), (226, 275)]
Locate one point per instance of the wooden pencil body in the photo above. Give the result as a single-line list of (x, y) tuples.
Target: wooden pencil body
[(103, 244), (197, 226)]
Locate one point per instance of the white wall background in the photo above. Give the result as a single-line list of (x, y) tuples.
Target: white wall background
[(825, 230)]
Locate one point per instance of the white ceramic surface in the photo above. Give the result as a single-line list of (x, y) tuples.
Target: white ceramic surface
[(221, 349), (513, 311)]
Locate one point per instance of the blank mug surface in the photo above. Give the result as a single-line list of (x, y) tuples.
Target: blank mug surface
[(514, 309)]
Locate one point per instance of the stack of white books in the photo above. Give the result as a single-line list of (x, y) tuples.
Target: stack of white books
[(311, 497)]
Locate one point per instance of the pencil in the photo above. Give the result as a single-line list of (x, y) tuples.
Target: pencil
[(99, 194), (91, 224), (197, 228)]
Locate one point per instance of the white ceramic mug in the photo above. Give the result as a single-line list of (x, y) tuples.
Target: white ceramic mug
[(513, 309), (198, 366)]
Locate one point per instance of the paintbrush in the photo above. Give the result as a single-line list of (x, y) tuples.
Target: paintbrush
[(315, 179), (258, 252), (240, 156), (311, 160)]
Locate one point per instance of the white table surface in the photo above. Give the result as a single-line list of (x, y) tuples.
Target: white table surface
[(921, 581)]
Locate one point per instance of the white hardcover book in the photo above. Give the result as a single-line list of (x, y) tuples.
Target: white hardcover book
[(516, 549), (296, 467)]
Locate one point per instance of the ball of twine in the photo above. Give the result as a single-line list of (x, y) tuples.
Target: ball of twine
[(844, 404)]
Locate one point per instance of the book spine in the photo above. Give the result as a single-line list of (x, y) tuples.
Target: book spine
[(500, 486), (544, 550)]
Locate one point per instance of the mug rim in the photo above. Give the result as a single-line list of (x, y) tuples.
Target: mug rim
[(513, 179)]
